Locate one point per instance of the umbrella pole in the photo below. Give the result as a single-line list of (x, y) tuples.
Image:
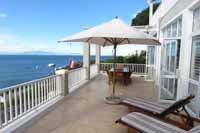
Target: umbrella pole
[(114, 67), (113, 99)]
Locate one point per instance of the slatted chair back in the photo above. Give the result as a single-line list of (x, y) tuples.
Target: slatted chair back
[(177, 105)]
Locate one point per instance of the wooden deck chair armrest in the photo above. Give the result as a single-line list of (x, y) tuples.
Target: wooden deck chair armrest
[(185, 116), (118, 120), (177, 105)]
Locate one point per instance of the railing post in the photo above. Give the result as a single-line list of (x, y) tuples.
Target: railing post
[(63, 82)]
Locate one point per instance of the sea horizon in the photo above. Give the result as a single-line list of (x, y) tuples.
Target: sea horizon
[(17, 69)]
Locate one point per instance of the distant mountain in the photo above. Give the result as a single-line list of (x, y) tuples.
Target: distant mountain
[(39, 53)]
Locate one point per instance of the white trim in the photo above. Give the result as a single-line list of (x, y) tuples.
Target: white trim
[(195, 5), (172, 38), (193, 81), (171, 21), (194, 34), (189, 7)]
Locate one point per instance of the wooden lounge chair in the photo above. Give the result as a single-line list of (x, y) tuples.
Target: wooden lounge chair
[(138, 122), (119, 66), (162, 111)]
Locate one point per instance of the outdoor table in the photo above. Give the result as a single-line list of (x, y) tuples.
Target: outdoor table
[(122, 74)]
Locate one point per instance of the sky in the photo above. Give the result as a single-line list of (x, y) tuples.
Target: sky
[(37, 25)]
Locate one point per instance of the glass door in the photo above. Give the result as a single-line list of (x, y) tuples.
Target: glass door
[(169, 79)]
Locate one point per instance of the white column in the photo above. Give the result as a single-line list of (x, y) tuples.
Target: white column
[(98, 55), (185, 54), (63, 83), (158, 59), (86, 59), (150, 10)]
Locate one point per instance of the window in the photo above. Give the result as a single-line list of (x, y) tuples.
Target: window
[(195, 61), (195, 57), (174, 29), (169, 31), (193, 87), (179, 27), (171, 55), (151, 55), (196, 20)]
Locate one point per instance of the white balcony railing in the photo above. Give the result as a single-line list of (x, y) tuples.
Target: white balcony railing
[(76, 78), (93, 70), (18, 100), (137, 69), (22, 99)]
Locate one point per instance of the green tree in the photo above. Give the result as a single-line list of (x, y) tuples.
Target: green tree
[(142, 57), (142, 18), (120, 59), (134, 58)]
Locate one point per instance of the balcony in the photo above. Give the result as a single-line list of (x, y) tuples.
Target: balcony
[(86, 111), (43, 106)]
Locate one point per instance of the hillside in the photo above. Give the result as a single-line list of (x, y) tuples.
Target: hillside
[(142, 18)]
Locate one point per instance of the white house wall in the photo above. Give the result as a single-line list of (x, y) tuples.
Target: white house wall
[(175, 11), (171, 15), (162, 10), (168, 11)]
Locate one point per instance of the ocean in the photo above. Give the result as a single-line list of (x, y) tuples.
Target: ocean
[(16, 69)]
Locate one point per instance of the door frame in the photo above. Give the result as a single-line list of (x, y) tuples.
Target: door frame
[(165, 71)]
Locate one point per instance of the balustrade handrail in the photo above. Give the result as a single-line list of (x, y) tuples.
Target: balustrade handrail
[(125, 63), (27, 83), (19, 100), (76, 77), (146, 70), (73, 70)]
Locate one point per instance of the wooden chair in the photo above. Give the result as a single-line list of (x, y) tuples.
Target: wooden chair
[(162, 111), (119, 66), (127, 76), (138, 122)]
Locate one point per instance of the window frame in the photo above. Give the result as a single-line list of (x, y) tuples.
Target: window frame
[(168, 27), (193, 53), (195, 35)]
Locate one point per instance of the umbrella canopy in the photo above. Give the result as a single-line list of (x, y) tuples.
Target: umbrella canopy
[(112, 32)]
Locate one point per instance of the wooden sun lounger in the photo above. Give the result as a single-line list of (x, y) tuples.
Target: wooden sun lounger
[(138, 122), (162, 111)]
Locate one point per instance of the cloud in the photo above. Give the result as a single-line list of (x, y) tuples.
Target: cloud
[(11, 43), (3, 16), (123, 50)]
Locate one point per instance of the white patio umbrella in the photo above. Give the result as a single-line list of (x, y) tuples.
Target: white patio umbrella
[(114, 32)]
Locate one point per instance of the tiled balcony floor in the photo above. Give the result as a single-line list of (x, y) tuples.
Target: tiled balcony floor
[(86, 112)]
